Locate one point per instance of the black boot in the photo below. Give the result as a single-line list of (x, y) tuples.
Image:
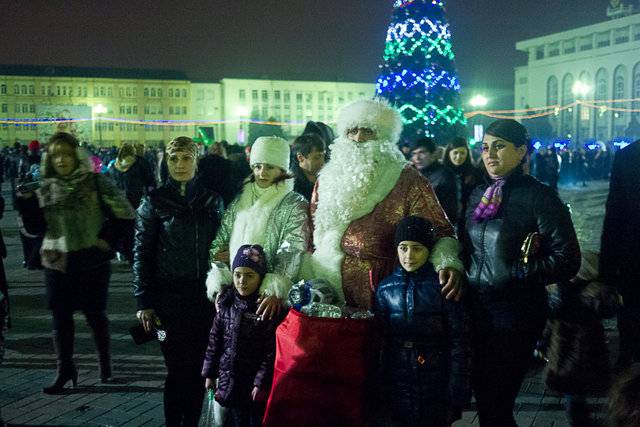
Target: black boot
[(100, 325), (63, 344)]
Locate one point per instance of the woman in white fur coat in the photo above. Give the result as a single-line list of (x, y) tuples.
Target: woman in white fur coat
[(268, 213)]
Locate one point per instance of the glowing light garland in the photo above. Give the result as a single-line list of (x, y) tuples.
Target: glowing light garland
[(408, 79), (410, 112), (418, 75), (405, 38)]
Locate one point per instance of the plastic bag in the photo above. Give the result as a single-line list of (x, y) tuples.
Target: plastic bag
[(210, 418)]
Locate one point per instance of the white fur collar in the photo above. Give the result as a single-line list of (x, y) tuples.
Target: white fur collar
[(250, 223)]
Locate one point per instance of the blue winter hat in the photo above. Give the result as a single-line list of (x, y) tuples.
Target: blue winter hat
[(251, 256)]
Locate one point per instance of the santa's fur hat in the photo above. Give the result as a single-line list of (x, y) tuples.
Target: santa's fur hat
[(375, 114)]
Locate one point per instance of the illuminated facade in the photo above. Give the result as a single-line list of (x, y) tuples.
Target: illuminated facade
[(120, 103), (597, 65)]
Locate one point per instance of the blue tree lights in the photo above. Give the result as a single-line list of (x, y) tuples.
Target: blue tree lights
[(418, 74)]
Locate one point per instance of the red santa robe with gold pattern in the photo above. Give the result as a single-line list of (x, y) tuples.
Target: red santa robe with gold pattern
[(366, 252)]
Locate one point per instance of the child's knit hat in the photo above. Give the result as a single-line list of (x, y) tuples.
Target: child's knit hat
[(251, 256), (415, 229)]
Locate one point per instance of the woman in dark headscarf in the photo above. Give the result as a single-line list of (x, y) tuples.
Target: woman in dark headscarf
[(82, 213), (518, 238)]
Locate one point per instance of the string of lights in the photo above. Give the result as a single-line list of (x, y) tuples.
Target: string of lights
[(417, 73), (448, 113)]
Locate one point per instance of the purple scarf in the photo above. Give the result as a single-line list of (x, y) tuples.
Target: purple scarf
[(490, 202)]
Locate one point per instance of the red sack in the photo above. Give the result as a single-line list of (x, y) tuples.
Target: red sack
[(321, 372)]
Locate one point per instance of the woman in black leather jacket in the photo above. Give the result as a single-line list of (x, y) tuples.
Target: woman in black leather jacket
[(507, 289), (175, 225)]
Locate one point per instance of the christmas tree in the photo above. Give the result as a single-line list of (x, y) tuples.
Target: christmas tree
[(418, 73)]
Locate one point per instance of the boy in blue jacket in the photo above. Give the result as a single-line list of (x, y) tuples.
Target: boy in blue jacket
[(426, 354)]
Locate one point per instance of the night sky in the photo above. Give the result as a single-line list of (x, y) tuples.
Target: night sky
[(286, 39)]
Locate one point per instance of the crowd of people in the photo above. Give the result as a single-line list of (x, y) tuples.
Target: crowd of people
[(457, 261), (572, 167)]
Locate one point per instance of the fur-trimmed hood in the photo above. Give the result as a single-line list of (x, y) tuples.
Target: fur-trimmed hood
[(376, 114)]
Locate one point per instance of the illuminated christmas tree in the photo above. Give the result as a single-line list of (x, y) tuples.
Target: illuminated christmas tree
[(418, 73)]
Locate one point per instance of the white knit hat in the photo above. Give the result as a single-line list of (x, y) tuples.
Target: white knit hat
[(375, 114), (272, 150)]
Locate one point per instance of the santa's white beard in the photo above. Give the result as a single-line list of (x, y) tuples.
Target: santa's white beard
[(348, 179)]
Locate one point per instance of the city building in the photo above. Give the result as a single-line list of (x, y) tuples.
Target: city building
[(597, 65), (112, 106), (291, 103), (107, 96)]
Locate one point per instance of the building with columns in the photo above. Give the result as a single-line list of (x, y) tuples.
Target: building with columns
[(599, 62)]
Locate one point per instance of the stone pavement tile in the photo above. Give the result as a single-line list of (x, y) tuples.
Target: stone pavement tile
[(548, 416), (524, 420), (561, 423), (542, 423), (470, 417), (130, 404), (154, 422), (136, 422), (114, 401), (102, 417), (26, 401), (42, 420), (146, 408), (156, 412), (25, 418), (537, 388)]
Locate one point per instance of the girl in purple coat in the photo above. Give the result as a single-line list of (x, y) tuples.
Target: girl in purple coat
[(241, 349)]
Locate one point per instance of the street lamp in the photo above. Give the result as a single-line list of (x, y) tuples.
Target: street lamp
[(242, 112), (98, 110), (478, 101), (580, 90)]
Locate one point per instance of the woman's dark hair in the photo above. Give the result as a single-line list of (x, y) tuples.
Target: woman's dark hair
[(305, 144), (64, 138), (126, 150), (457, 142), (511, 131)]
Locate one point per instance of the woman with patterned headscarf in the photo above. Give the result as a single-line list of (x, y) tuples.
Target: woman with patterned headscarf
[(81, 213), (175, 226)]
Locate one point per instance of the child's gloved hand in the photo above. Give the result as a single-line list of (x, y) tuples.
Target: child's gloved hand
[(258, 395)]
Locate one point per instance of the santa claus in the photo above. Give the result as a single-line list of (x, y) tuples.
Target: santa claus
[(360, 197)]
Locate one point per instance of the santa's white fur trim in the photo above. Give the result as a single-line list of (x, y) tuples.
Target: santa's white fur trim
[(375, 114), (218, 277), (275, 284), (445, 254)]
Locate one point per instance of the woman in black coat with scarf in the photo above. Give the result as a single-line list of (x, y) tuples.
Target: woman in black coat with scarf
[(82, 214), (457, 157), (512, 213), (175, 226)]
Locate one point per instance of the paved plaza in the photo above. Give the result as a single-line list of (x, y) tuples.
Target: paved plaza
[(135, 399)]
